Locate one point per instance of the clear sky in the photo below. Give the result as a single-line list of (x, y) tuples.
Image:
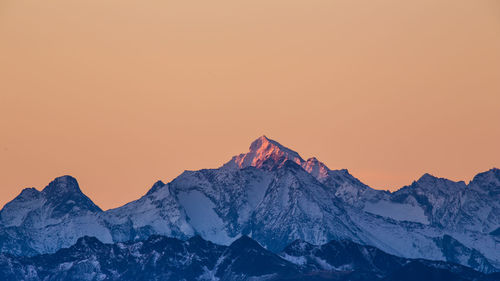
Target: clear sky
[(121, 93)]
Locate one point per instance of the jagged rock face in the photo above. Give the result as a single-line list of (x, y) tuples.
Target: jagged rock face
[(488, 182), (297, 206), (275, 197), (162, 258)]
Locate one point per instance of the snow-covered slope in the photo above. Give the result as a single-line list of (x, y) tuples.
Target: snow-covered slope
[(297, 206), (157, 212), (44, 221), (468, 213), (274, 196)]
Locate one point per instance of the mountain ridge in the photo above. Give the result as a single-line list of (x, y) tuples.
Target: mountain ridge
[(274, 196)]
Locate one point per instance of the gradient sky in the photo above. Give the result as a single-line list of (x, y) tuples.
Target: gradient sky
[(122, 93)]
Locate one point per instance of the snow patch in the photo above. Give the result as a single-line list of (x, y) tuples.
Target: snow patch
[(396, 211), (203, 218)]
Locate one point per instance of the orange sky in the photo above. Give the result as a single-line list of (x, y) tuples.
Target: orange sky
[(122, 93)]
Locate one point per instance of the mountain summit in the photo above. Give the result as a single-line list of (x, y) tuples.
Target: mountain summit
[(62, 185), (266, 152), (64, 195)]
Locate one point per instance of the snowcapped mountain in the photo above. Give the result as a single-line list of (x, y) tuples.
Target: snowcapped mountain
[(464, 216), (44, 221), (276, 197), (265, 152), (162, 258)]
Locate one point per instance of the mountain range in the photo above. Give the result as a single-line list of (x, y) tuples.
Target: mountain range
[(273, 196)]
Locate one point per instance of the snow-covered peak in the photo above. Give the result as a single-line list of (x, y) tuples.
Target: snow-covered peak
[(15, 211), (427, 178), (28, 194), (316, 168), (62, 185), (266, 152), (64, 194), (61, 198), (431, 183), (491, 176), (488, 182), (156, 186)]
